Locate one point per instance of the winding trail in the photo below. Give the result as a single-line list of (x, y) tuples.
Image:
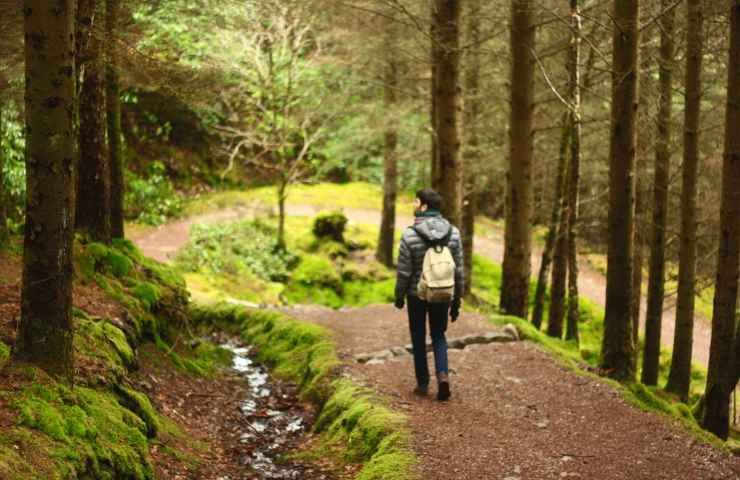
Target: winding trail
[(163, 242), (516, 413)]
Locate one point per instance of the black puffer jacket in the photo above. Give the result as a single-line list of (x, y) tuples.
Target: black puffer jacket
[(414, 244)]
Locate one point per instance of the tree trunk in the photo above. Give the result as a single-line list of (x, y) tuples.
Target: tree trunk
[(471, 152), (574, 173), (390, 178), (637, 259), (656, 280), (45, 330), (617, 357), (3, 201), (282, 197), (552, 231), (436, 178), (517, 241), (93, 180), (559, 276), (679, 378), (113, 115), (722, 377), (448, 142)]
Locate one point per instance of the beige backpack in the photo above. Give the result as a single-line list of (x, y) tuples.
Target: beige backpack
[(437, 282)]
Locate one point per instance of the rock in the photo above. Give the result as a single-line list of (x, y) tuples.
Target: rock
[(456, 343), (399, 351), (363, 357), (472, 339), (375, 361), (511, 330), (409, 348), (498, 337)]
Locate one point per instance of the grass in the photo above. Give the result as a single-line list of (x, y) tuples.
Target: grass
[(355, 425)]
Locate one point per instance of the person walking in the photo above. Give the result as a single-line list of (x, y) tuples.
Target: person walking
[(430, 278)]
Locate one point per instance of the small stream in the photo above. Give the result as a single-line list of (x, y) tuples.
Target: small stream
[(275, 421)]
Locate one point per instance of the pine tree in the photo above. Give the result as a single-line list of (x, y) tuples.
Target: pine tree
[(113, 115)]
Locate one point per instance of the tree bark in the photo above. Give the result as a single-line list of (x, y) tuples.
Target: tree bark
[(390, 177), (113, 115), (552, 231), (617, 352), (517, 241), (574, 173), (679, 378), (45, 330), (93, 180), (447, 86), (656, 279), (3, 201), (559, 276), (471, 152), (433, 35), (722, 375), (637, 258)]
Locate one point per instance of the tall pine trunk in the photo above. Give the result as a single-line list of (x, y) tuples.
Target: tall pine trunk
[(552, 231), (471, 127), (559, 275), (434, 118), (45, 331), (93, 179), (447, 86), (638, 257), (517, 240), (574, 172), (617, 351), (656, 279), (390, 170), (722, 375), (113, 115), (3, 201), (679, 378)]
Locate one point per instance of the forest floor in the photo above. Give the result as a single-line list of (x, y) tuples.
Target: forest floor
[(163, 242), (516, 412)]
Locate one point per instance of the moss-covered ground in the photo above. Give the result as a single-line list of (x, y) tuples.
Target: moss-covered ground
[(101, 427), (355, 425)]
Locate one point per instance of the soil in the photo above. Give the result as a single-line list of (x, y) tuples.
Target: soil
[(516, 413)]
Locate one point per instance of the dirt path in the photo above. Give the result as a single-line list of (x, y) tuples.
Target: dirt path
[(163, 242), (516, 414)]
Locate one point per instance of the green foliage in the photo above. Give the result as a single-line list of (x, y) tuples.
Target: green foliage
[(152, 200), (148, 293), (13, 165), (4, 353), (330, 226), (235, 247)]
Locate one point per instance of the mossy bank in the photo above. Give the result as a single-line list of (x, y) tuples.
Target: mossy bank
[(100, 428), (354, 425)]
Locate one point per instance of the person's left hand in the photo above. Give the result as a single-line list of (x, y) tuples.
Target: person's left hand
[(399, 303), (455, 309)]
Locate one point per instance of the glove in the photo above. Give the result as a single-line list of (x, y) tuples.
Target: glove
[(455, 309), (399, 303)]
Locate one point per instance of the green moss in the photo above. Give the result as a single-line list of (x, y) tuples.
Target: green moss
[(86, 433), (139, 403), (4, 353), (148, 293), (99, 340), (316, 271), (330, 226)]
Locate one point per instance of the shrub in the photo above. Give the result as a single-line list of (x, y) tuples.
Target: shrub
[(152, 200), (330, 226)]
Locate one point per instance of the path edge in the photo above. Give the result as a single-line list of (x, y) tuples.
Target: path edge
[(355, 424)]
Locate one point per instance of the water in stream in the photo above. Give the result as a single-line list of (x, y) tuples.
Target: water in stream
[(274, 421)]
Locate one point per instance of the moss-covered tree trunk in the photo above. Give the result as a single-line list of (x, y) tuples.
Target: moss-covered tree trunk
[(574, 171), (517, 239), (679, 378), (93, 179), (538, 307), (447, 87), (617, 350), (390, 170), (656, 278), (45, 331), (722, 375), (113, 116), (471, 125)]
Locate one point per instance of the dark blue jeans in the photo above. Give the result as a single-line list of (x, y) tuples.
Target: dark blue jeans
[(437, 313)]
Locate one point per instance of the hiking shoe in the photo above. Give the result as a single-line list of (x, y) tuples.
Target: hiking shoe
[(443, 388), (421, 391)]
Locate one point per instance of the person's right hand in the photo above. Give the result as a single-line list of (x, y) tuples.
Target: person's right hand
[(455, 309), (399, 303)]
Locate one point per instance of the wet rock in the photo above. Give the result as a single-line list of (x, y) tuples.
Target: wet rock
[(511, 330)]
